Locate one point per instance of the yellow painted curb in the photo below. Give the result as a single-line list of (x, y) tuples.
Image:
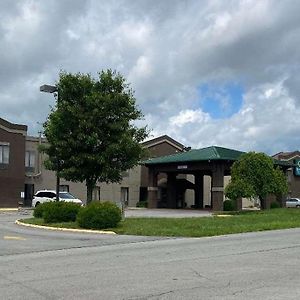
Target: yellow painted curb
[(224, 216), (65, 229), (8, 209)]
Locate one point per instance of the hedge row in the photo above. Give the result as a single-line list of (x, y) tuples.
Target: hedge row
[(97, 215), (53, 212)]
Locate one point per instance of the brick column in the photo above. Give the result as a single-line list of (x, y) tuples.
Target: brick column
[(171, 190), (152, 188), (198, 190), (217, 188)]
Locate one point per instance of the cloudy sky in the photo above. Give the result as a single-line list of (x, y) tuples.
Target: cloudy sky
[(206, 73)]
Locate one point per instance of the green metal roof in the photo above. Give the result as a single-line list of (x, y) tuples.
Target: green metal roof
[(205, 154), (208, 153)]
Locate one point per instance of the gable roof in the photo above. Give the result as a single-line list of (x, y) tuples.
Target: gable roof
[(287, 155), (208, 153), (163, 139)]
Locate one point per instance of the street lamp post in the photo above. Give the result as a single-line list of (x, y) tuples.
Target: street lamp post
[(53, 89)]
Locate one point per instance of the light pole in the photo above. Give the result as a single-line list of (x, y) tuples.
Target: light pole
[(53, 89)]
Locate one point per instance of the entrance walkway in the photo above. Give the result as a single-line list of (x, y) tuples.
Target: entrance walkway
[(165, 213)]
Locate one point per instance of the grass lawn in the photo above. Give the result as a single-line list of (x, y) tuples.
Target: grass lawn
[(204, 226)]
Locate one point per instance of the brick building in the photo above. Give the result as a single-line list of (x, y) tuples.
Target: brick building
[(22, 173), (12, 167)]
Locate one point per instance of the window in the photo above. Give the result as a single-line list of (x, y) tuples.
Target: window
[(30, 159), (125, 195), (293, 200), (64, 188), (4, 153), (97, 193), (46, 195), (65, 195)]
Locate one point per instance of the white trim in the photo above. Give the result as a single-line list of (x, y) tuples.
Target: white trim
[(296, 156)]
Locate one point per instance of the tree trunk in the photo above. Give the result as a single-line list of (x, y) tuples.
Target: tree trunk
[(262, 203), (90, 185), (57, 186)]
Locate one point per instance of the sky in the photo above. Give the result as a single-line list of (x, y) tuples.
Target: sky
[(224, 73)]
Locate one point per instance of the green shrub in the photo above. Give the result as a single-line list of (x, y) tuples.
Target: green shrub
[(274, 204), (142, 204), (60, 212), (228, 205), (99, 215), (39, 210)]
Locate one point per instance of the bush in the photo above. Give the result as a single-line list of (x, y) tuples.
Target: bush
[(60, 212), (99, 215), (228, 205), (39, 210), (274, 204), (142, 204)]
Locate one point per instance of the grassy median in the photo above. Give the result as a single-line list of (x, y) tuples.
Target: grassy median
[(235, 222)]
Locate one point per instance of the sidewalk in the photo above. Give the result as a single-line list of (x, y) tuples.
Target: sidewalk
[(132, 212)]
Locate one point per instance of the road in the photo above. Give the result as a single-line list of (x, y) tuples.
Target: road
[(39, 264)]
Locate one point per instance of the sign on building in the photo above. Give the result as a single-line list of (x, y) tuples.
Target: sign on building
[(297, 167)]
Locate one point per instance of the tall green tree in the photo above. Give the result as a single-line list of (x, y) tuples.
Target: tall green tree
[(91, 132), (254, 175)]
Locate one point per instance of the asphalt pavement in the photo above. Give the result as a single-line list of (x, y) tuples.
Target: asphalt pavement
[(39, 264), (16, 239)]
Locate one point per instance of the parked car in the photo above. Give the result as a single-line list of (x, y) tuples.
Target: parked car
[(293, 202), (47, 196)]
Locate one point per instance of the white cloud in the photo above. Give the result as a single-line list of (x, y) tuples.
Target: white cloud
[(189, 116), (166, 55)]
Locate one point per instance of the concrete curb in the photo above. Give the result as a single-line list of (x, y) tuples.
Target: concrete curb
[(18, 222)]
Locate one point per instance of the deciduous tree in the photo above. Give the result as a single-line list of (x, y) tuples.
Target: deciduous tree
[(91, 132), (254, 175)]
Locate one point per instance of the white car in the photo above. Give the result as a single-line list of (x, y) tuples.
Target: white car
[(47, 196), (293, 202)]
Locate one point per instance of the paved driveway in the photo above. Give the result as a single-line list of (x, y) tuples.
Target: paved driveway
[(38, 264), (166, 213)]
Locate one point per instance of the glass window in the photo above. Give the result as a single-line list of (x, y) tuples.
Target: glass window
[(4, 153), (50, 195), (40, 194), (293, 200), (64, 188), (45, 195), (30, 159), (124, 195), (65, 195), (97, 193)]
